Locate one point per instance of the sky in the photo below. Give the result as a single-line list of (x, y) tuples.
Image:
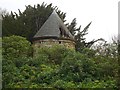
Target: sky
[(102, 13)]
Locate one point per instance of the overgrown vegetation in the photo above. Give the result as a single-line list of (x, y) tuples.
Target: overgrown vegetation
[(57, 67), (15, 46)]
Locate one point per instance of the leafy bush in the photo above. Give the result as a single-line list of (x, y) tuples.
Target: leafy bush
[(15, 46), (55, 54), (58, 67), (110, 83)]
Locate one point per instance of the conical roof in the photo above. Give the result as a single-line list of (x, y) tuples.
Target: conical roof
[(53, 27)]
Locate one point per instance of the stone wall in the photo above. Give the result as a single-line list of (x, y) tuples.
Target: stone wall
[(50, 42)]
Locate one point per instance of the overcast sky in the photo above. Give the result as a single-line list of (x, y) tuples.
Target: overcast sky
[(102, 13)]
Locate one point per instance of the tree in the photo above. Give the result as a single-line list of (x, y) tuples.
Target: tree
[(79, 36), (28, 22)]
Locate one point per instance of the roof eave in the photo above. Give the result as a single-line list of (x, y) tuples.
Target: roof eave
[(52, 37)]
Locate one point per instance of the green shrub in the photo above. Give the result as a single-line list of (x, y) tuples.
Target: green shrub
[(55, 54), (63, 84), (15, 46), (59, 67), (109, 83)]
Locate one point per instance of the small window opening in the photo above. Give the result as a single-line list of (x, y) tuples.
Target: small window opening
[(61, 32), (59, 42)]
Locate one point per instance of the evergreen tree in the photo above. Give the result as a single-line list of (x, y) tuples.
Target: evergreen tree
[(28, 22), (79, 36)]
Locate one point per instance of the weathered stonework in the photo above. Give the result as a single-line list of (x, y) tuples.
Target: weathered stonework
[(53, 32), (51, 42)]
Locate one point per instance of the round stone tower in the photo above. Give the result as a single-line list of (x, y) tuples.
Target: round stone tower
[(53, 32)]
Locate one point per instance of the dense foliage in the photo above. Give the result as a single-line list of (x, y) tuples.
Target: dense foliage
[(28, 22), (58, 67), (15, 46)]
